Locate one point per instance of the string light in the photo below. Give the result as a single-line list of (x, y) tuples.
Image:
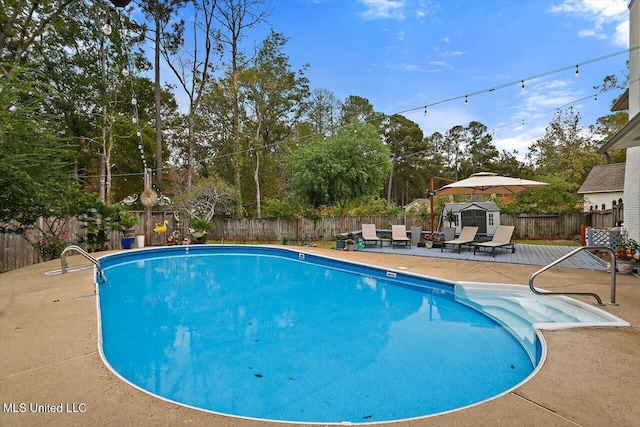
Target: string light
[(425, 107), (577, 71), (126, 72), (106, 28), (466, 100), (595, 98)]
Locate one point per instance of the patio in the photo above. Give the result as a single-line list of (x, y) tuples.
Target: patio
[(49, 353), (525, 254)]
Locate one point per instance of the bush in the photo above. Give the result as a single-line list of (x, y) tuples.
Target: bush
[(51, 245)]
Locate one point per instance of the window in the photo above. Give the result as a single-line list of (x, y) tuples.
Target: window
[(491, 220)]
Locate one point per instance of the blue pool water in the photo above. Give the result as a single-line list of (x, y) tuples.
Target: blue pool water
[(261, 333)]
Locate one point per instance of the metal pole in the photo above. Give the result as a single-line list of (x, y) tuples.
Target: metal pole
[(147, 209), (431, 196)]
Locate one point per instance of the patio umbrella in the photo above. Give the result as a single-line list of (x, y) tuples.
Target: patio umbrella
[(488, 183)]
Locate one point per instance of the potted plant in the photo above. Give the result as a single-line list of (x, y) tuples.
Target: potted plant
[(341, 242), (451, 218), (626, 255), (128, 221), (450, 231), (201, 227), (350, 243)]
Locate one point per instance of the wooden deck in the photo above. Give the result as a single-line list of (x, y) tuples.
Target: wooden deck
[(525, 254)]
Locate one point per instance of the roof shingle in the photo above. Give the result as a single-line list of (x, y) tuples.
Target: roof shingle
[(604, 178)]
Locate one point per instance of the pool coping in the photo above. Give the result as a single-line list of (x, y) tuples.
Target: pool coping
[(49, 354)]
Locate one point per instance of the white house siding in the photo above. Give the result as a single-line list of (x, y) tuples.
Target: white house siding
[(598, 199), (632, 171)]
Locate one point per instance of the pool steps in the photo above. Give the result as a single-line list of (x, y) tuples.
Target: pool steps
[(522, 312)]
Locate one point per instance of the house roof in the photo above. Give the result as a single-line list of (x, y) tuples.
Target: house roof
[(621, 103), (485, 206), (628, 136), (604, 178)]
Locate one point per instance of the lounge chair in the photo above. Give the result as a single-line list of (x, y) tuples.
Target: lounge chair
[(466, 237), (399, 234), (369, 234), (502, 239)]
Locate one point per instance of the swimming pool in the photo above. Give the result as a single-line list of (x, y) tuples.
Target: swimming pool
[(277, 334)]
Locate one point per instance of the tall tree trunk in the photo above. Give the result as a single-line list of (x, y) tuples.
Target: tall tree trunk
[(390, 183), (158, 101), (256, 180)]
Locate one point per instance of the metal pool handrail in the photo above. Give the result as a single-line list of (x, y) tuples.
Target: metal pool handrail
[(570, 254), (65, 266)]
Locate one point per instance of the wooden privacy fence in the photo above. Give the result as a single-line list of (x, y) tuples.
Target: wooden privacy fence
[(527, 227), (16, 252)]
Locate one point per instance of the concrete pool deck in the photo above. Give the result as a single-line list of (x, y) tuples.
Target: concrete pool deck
[(49, 355)]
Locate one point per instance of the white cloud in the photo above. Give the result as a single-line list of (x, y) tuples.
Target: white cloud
[(383, 9), (517, 138), (441, 119), (609, 19), (543, 96)]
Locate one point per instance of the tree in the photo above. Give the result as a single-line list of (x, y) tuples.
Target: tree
[(359, 110), (236, 16), (507, 164), (168, 39), (323, 111), (194, 70), (35, 178), (556, 198), (607, 126), (565, 149), (404, 138), (451, 149), (23, 23), (206, 198), (479, 152), (274, 95), (353, 163)]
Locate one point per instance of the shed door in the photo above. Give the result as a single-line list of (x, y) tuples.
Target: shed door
[(475, 218)]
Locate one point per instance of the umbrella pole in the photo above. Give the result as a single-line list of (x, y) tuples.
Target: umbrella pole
[(431, 206)]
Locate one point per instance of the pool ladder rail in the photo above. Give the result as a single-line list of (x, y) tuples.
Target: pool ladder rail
[(65, 265), (570, 254)]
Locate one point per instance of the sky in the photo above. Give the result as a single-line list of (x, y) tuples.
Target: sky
[(403, 55)]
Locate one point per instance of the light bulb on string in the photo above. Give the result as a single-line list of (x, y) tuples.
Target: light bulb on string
[(106, 28), (466, 100), (577, 71), (425, 110), (134, 101), (595, 98), (125, 72), (134, 119), (522, 81)]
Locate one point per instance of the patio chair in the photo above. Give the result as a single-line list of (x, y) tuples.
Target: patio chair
[(369, 234), (502, 239), (466, 237), (399, 234)]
